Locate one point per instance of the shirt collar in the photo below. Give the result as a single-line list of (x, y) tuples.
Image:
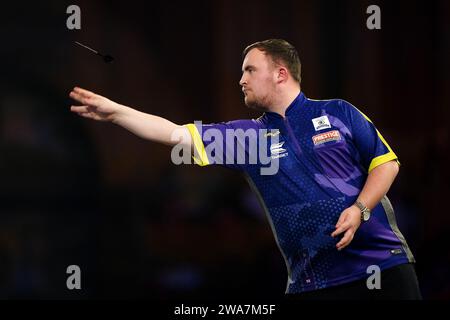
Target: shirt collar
[(294, 107)]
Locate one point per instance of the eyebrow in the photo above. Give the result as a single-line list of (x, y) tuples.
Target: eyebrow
[(248, 67)]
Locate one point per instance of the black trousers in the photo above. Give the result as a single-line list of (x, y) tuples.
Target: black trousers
[(397, 283)]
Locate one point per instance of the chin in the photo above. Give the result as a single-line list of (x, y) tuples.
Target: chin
[(249, 103), (254, 105)]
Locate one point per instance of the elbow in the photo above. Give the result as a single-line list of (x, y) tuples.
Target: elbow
[(395, 168)]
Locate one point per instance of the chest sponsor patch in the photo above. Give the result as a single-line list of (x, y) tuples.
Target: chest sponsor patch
[(326, 137), (321, 123)]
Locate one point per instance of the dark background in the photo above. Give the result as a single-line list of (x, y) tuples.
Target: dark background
[(75, 191)]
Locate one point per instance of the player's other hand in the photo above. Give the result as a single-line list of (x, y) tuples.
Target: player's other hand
[(94, 106), (348, 223)]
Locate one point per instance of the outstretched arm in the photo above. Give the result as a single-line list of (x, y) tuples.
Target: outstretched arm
[(142, 124)]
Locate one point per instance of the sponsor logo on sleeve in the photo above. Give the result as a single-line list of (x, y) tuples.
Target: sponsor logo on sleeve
[(277, 150), (272, 134)]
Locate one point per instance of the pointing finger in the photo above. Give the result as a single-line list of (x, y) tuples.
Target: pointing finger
[(83, 92), (79, 109)]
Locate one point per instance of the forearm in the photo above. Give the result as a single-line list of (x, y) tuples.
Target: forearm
[(148, 126), (378, 183)]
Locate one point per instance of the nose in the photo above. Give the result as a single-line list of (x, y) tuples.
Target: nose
[(242, 81)]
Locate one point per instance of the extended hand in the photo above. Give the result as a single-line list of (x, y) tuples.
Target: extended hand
[(93, 106), (348, 222)]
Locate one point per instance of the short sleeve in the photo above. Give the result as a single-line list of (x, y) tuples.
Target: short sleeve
[(219, 143), (373, 148)]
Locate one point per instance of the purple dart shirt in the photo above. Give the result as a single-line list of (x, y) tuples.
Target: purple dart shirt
[(325, 150)]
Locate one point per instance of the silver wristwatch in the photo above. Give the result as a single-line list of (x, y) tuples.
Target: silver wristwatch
[(365, 212)]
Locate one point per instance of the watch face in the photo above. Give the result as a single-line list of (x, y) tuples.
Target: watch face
[(366, 215)]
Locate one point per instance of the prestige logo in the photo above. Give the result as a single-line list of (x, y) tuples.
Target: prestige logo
[(326, 137)]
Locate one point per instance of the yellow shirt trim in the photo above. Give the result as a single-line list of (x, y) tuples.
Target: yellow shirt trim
[(385, 157), (198, 144), (382, 159)]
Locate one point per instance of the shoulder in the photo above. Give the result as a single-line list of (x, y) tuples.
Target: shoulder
[(335, 102), (243, 124), (335, 105), (257, 123)]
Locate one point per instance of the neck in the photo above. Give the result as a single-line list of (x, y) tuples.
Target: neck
[(284, 100)]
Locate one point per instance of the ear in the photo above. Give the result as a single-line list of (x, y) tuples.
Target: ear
[(282, 75)]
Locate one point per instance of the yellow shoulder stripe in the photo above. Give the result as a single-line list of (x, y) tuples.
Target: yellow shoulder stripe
[(198, 144), (385, 157)]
